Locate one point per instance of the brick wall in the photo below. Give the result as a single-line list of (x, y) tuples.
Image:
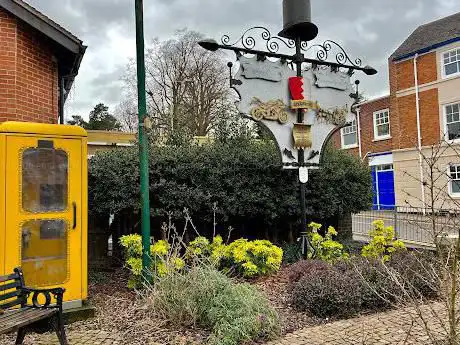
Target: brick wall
[(404, 110), (7, 66), (336, 141), (368, 144), (28, 74), (429, 117), (404, 74), (394, 114), (426, 67)]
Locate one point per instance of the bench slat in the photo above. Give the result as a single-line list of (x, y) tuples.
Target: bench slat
[(12, 321), (9, 286), (11, 304), (10, 316), (15, 293), (14, 276), (11, 295)]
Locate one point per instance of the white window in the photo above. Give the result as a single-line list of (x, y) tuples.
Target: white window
[(349, 135), (382, 124), (454, 183), (384, 167), (451, 62), (452, 115)]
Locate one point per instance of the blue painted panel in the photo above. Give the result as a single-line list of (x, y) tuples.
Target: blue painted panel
[(386, 189)]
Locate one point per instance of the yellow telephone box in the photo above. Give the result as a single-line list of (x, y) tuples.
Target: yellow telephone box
[(43, 206)]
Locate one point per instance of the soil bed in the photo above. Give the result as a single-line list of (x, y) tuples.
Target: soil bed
[(120, 311)]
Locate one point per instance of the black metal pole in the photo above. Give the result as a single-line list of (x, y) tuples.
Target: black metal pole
[(299, 58)]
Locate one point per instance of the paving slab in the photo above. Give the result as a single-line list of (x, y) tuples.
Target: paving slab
[(405, 326)]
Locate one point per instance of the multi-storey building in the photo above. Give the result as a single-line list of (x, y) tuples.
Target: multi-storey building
[(395, 134), (38, 63)]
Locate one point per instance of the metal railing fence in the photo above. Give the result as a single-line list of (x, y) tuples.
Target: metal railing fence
[(417, 227)]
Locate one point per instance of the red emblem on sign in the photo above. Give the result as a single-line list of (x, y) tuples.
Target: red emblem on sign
[(296, 88)]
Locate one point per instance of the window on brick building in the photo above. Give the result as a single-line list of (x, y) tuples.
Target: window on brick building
[(451, 62), (454, 183), (452, 113), (382, 124), (350, 135)]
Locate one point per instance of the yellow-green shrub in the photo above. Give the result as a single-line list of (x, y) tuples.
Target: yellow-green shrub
[(162, 258), (383, 243), (324, 247), (246, 258), (252, 258)]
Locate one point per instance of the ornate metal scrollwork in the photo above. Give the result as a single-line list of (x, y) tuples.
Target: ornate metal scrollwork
[(304, 46), (323, 54), (248, 40), (325, 49)]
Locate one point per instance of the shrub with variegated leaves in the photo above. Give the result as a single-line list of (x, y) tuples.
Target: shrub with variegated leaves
[(162, 258), (383, 242), (242, 257), (325, 247), (252, 258)]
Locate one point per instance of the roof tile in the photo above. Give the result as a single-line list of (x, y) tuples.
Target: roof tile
[(429, 35)]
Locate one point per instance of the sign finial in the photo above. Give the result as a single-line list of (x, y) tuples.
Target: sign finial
[(297, 20)]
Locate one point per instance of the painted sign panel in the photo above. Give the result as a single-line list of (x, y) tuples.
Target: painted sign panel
[(270, 92)]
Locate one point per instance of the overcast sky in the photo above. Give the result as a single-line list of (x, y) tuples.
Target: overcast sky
[(370, 29)]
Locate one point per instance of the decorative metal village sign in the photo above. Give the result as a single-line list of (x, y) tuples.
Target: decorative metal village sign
[(301, 100), (271, 93)]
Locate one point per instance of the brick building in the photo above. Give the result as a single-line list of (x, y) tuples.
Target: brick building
[(421, 110), (38, 63)]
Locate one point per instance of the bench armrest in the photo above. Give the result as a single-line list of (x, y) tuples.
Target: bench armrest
[(58, 294)]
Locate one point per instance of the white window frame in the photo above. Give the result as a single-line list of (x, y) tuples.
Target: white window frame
[(443, 64), (446, 131), (451, 192), (342, 133), (386, 136)]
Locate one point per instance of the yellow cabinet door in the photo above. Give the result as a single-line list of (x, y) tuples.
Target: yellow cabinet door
[(43, 221)]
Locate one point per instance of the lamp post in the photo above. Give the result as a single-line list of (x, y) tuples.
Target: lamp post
[(143, 141), (297, 31)]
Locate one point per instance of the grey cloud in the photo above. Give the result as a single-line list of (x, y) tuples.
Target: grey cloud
[(109, 77), (87, 15), (110, 95), (370, 29)]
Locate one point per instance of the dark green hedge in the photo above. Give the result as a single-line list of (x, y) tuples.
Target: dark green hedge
[(243, 176)]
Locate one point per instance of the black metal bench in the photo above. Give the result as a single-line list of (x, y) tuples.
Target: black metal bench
[(18, 315)]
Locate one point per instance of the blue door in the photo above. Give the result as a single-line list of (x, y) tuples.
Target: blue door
[(383, 182)]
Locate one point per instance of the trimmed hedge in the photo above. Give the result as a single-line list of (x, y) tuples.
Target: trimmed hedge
[(242, 176)]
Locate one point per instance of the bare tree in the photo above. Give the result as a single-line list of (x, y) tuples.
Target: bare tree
[(441, 222), (126, 113), (187, 85), (442, 210)]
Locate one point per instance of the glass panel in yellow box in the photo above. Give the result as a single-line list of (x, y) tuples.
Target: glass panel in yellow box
[(44, 180), (44, 252)]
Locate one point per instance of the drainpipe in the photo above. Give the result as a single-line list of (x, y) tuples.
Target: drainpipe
[(419, 133), (358, 122), (61, 100), (62, 95)]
